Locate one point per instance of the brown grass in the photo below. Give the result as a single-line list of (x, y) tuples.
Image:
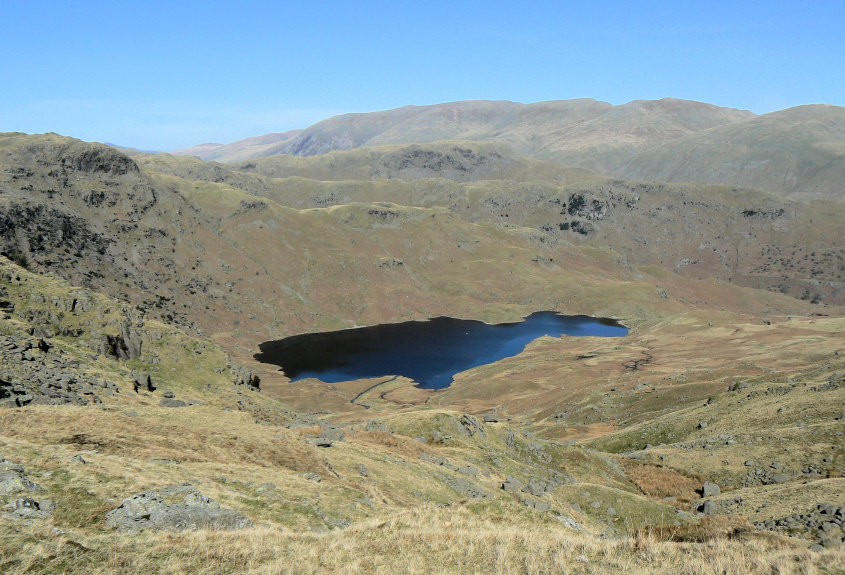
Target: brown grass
[(396, 444), (422, 540), (659, 482)]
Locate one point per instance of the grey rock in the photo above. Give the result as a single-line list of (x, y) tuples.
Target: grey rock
[(375, 425), (708, 507), (13, 480), (468, 470), (537, 504), (320, 441), (310, 476), (173, 508), (28, 508), (467, 488), (362, 469), (512, 484), (142, 380), (166, 402), (470, 425), (535, 487), (491, 417), (710, 489), (247, 377), (569, 522)]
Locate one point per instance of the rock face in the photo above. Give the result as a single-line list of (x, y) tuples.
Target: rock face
[(124, 345), (173, 508)]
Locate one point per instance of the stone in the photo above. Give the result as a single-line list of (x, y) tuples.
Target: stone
[(173, 508), (535, 487), (142, 380), (470, 425), (334, 434), (320, 441), (491, 417), (512, 484), (167, 402), (362, 469), (247, 377), (702, 425), (467, 488), (28, 508), (468, 470), (13, 480), (375, 425), (537, 505), (710, 489), (310, 476), (708, 507)]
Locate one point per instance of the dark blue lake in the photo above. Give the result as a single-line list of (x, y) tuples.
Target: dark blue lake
[(429, 352)]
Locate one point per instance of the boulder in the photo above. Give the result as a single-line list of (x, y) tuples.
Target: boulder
[(467, 488), (471, 425), (535, 487), (710, 489), (708, 508), (167, 402), (512, 484), (247, 377), (173, 508), (142, 380), (28, 508)]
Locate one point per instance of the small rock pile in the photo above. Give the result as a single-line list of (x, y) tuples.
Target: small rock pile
[(31, 373), (824, 523)]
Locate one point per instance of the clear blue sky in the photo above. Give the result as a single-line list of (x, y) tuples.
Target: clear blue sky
[(163, 75)]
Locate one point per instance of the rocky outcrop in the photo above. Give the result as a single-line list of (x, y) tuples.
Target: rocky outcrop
[(32, 373), (13, 484), (173, 508), (125, 344), (246, 376), (824, 523)]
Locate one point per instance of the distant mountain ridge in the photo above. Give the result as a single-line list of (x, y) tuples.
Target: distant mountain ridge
[(548, 130), (797, 152), (240, 150)]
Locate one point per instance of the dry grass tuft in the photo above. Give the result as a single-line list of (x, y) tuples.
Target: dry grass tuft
[(708, 529), (660, 482)]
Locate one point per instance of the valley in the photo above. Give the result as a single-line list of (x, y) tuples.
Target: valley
[(136, 288)]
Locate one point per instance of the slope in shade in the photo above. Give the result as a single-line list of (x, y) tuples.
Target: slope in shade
[(428, 352)]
